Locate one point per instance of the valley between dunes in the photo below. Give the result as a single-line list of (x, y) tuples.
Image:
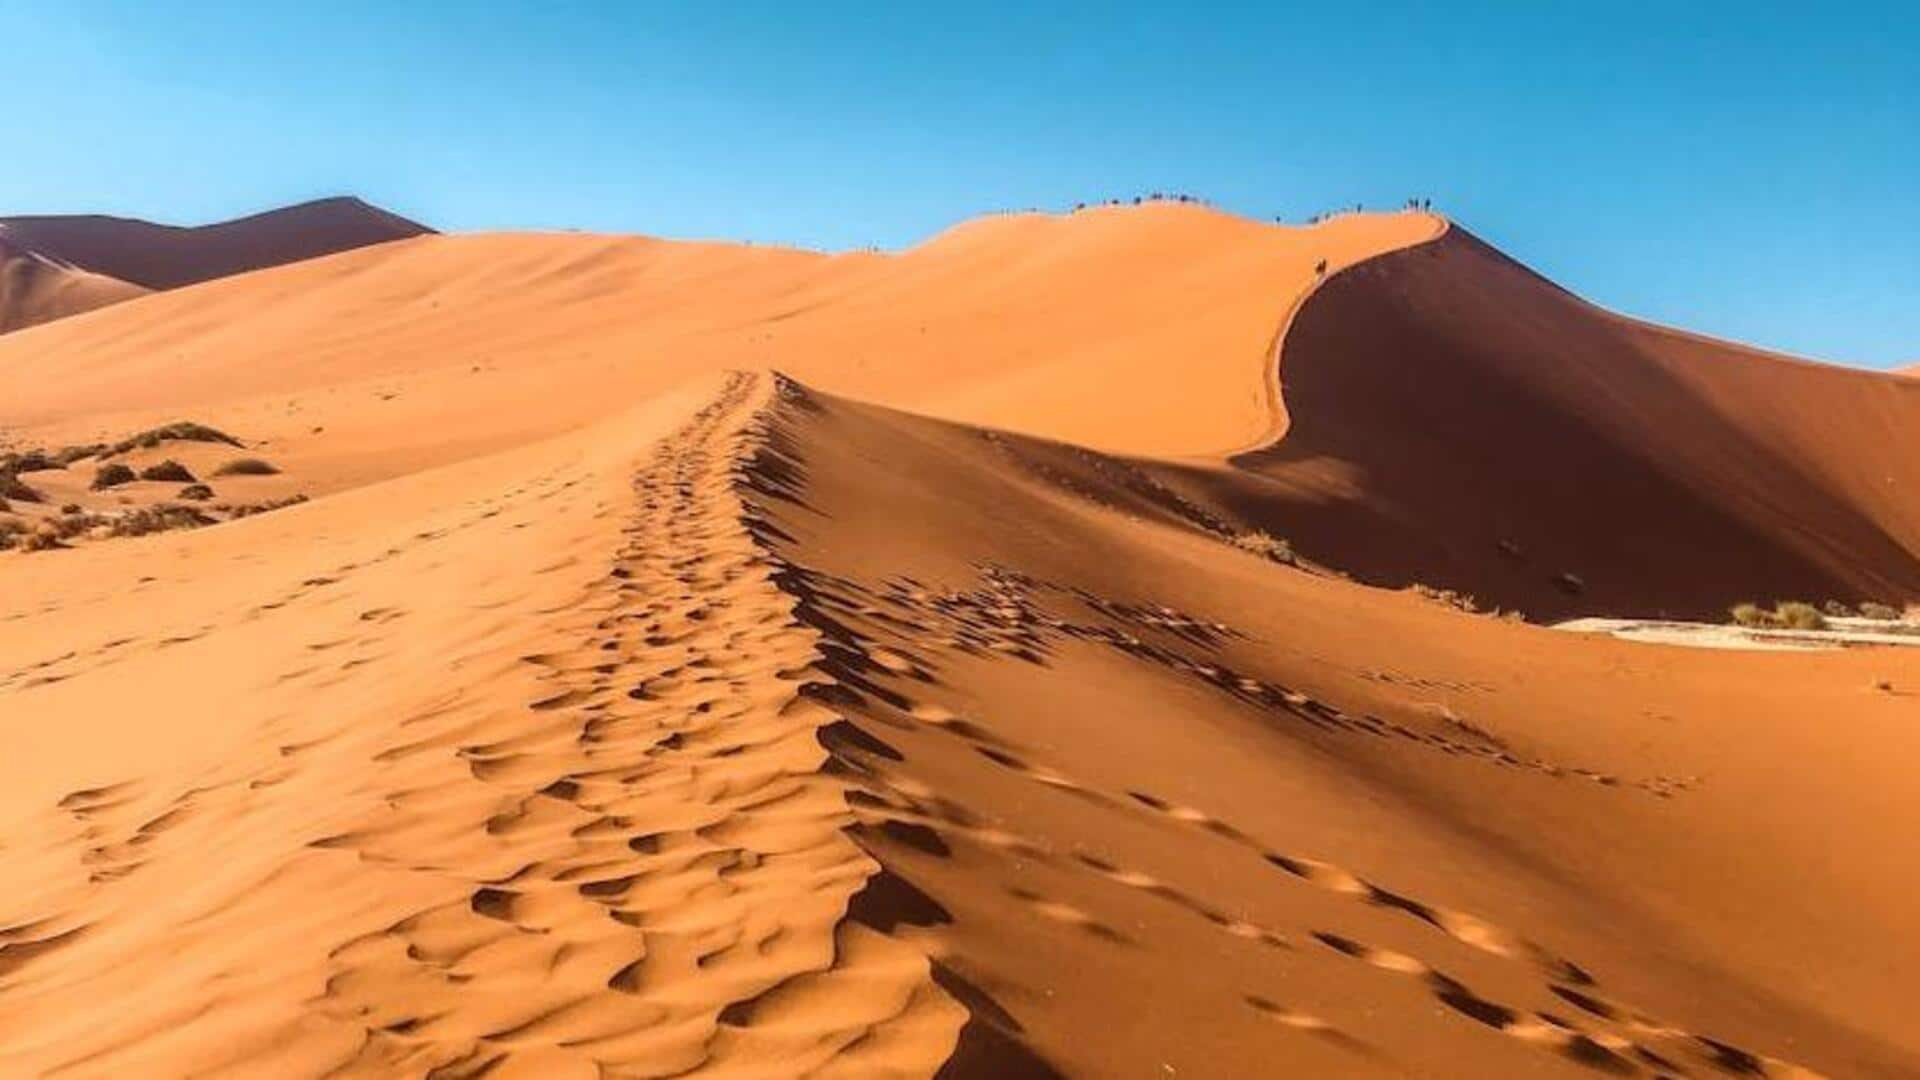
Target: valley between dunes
[(708, 659)]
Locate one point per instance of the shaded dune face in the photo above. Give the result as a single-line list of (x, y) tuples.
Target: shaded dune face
[(168, 257), (35, 289), (1459, 421), (1114, 766)]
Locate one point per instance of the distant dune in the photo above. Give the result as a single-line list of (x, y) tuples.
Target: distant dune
[(124, 257), (36, 289), (605, 656)]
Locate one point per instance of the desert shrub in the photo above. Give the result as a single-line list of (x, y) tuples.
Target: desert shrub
[(1265, 545), (1797, 615), (250, 509), (1449, 597), (41, 541), (196, 492), (70, 508), (169, 470), (31, 461), (246, 466), (1872, 609), (67, 455), (181, 430), (1786, 615), (158, 518), (112, 475), (1834, 609), (12, 487)]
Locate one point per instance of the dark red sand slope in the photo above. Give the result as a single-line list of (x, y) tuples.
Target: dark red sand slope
[(1460, 421), (168, 256), (35, 289)]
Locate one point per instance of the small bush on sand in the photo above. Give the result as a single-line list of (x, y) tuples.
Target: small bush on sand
[(31, 461), (169, 470), (41, 541), (1453, 599), (184, 430), (1874, 610), (12, 487), (1834, 609), (107, 476), (196, 492), (70, 454), (250, 509), (1786, 615), (1796, 615), (1265, 545), (246, 466)]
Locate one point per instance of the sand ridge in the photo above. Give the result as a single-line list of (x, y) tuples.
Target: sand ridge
[(947, 704)]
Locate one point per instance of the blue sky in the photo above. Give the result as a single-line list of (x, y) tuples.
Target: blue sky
[(1747, 170)]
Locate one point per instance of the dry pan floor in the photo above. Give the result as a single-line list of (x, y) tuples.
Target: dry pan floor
[(762, 733)]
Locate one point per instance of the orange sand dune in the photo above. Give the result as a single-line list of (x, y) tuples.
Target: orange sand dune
[(609, 715), (818, 734), (35, 289), (1147, 330)]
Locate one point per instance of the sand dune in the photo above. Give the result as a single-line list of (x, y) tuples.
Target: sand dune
[(35, 289), (1170, 311), (108, 259), (1457, 420), (926, 709)]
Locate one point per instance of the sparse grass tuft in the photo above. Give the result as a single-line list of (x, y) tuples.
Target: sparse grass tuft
[(1451, 598), (1266, 545), (182, 430), (1798, 615), (113, 475), (246, 466), (1786, 615), (1874, 610), (169, 470), (12, 487)]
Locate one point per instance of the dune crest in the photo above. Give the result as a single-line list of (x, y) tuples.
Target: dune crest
[(699, 659), (1462, 422), (35, 289)]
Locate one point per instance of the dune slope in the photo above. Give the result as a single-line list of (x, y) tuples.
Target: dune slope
[(1140, 329), (1459, 421), (35, 289), (758, 727), (1123, 769), (931, 709), (168, 256)]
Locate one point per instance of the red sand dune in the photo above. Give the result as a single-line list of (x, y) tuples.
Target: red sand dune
[(1459, 421), (145, 256), (36, 289), (608, 715)]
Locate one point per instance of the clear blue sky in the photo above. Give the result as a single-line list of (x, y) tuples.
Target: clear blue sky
[(1749, 170)]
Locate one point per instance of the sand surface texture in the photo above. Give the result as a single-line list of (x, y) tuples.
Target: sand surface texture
[(989, 660)]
